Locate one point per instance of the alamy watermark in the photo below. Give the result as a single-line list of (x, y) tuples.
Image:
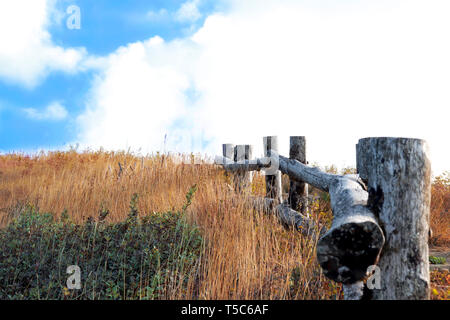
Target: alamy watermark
[(74, 19), (269, 165), (374, 280), (74, 280)]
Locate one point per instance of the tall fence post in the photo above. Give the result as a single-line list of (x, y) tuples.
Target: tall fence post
[(228, 151), (248, 156), (243, 179), (273, 181), (240, 152), (298, 191), (398, 175)]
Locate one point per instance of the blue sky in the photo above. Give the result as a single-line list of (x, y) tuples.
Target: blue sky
[(105, 26), (189, 75), (109, 24)]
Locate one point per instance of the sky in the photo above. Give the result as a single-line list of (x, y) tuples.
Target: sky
[(189, 75)]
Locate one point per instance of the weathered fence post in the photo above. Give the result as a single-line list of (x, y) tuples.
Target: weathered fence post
[(239, 180), (243, 153), (298, 190), (273, 180), (248, 156), (228, 151), (398, 174)]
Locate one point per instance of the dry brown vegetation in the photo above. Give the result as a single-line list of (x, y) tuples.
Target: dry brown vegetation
[(440, 210), (247, 254)]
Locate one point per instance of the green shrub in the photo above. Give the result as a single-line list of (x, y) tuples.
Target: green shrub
[(139, 258), (437, 260)]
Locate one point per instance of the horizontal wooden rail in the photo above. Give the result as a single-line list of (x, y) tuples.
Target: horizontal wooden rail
[(385, 206), (355, 239)]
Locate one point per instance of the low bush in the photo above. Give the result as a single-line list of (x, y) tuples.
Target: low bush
[(437, 260), (147, 257)]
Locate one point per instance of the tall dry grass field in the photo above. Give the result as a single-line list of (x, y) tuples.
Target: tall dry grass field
[(247, 254)]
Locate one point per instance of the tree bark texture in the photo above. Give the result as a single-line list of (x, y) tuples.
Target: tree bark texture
[(398, 174), (298, 190), (355, 239), (273, 179)]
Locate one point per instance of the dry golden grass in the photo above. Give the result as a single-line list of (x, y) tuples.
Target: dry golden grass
[(82, 183), (247, 254), (440, 210)]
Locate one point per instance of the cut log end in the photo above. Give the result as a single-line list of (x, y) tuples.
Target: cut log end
[(345, 252)]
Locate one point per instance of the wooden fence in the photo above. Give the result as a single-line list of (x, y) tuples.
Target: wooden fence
[(380, 215)]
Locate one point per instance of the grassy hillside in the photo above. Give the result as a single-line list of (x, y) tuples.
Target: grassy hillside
[(240, 252)]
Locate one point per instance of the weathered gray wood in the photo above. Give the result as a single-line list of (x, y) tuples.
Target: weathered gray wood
[(295, 169), (355, 239), (228, 157), (302, 223), (243, 177), (249, 156), (273, 179), (354, 291), (242, 166), (288, 217), (239, 182), (298, 190), (228, 152), (311, 175), (240, 152), (397, 172)]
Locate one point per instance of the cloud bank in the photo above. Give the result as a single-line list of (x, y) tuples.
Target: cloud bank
[(189, 11), (53, 112), (334, 73), (27, 53)]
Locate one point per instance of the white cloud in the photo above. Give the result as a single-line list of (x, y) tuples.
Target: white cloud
[(53, 112), (27, 53), (138, 95), (159, 15), (188, 11), (335, 74)]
